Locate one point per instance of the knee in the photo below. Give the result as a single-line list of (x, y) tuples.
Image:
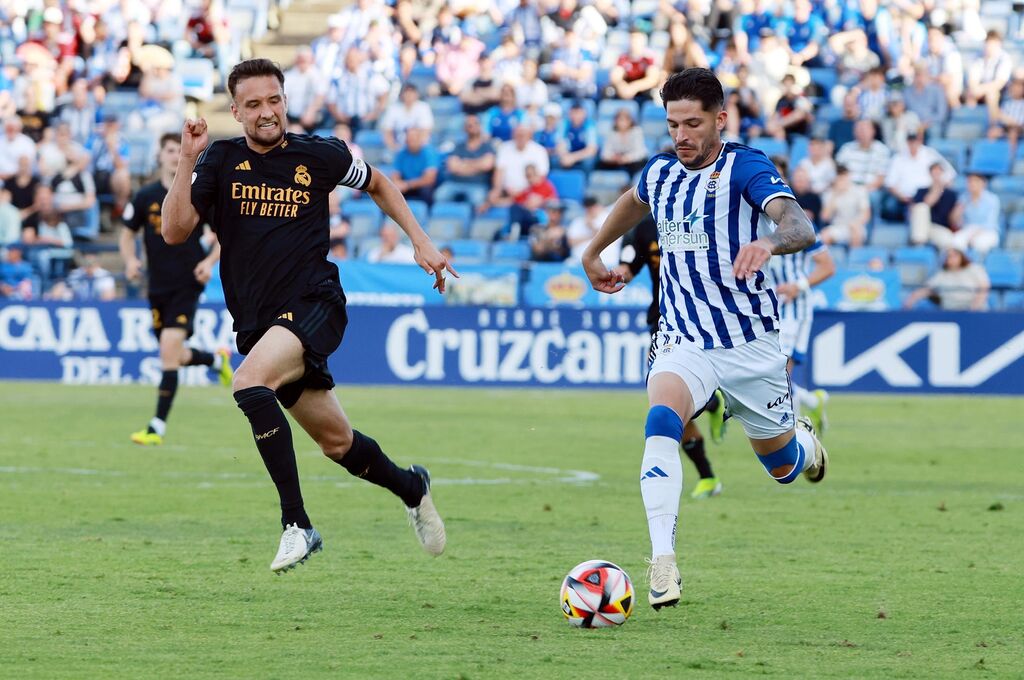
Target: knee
[(244, 379), (662, 421), (336, 443)]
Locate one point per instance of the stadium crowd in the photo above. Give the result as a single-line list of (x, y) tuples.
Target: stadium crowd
[(511, 125)]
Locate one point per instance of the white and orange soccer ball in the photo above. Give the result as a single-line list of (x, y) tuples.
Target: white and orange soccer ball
[(597, 594)]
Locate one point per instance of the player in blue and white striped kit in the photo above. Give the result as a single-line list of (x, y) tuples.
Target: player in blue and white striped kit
[(794, 278), (722, 211)]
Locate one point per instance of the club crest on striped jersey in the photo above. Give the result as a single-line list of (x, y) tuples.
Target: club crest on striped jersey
[(684, 234), (712, 184)]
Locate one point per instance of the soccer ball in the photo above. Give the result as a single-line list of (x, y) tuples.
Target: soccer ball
[(596, 594)]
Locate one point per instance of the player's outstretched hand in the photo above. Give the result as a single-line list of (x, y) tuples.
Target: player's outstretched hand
[(203, 272), (751, 258), (601, 278), (194, 137), (434, 263)]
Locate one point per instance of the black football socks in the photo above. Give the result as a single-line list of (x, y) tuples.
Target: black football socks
[(165, 397), (694, 450), (273, 438), (200, 358), (366, 461)]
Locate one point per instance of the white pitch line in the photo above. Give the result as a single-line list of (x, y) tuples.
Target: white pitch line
[(544, 475)]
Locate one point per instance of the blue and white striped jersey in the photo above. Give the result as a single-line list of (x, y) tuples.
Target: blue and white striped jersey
[(792, 267), (704, 217)]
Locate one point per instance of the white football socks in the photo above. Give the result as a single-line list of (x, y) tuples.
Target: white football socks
[(159, 426), (661, 484), (806, 440)]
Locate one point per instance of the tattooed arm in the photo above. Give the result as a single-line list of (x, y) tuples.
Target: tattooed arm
[(793, 233)]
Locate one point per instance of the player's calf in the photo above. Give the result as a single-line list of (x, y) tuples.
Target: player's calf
[(802, 453)]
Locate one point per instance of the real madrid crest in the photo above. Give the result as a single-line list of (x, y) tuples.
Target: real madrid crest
[(302, 176)]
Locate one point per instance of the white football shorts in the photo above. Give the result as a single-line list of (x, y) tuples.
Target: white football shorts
[(752, 377), (795, 336)]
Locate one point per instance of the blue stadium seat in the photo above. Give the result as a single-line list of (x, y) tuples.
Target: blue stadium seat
[(367, 138), (915, 264), (990, 157), (825, 78), (420, 211), (1014, 239), (608, 179), (484, 228), (995, 300), (771, 146), (510, 252), (468, 251), (1013, 300), (953, 150), (444, 106), (1007, 184), (828, 113), (1004, 269), (608, 108), (967, 130), (652, 111), (142, 150), (970, 114), (364, 217), (569, 183), (461, 211), (798, 149), (889, 235), (861, 257)]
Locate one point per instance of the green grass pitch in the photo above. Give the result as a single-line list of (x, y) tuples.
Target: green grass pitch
[(120, 561)]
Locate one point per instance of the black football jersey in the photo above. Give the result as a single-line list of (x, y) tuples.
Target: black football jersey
[(271, 216), (170, 268), (645, 251)]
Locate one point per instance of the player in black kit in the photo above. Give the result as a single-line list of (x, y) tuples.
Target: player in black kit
[(176, 278), (266, 194), (641, 248)]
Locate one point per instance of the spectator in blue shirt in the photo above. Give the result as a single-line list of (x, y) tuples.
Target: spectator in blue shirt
[(501, 120), (756, 17), (416, 167), (468, 167), (15, 276), (978, 217), (110, 154), (550, 136), (804, 31), (578, 148)]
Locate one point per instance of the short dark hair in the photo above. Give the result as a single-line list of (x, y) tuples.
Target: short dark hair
[(253, 68), (169, 137), (697, 84)]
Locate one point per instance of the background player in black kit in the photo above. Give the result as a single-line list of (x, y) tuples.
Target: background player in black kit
[(176, 278), (640, 248), (266, 196)]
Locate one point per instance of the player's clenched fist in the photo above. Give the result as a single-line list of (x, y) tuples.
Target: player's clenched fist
[(194, 137)]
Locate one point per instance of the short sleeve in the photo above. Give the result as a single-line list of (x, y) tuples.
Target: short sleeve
[(132, 215), (348, 171), (206, 180), (641, 185), (816, 247), (759, 179)]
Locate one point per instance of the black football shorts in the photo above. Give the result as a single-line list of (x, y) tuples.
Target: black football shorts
[(175, 309), (318, 319)]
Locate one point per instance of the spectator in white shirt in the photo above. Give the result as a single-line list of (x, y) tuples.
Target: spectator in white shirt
[(13, 145), (899, 123), (511, 160), (909, 171), (408, 112), (304, 88), (988, 76), (358, 95), (583, 229), (391, 250), (846, 209), (531, 90), (866, 158), (819, 164)]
